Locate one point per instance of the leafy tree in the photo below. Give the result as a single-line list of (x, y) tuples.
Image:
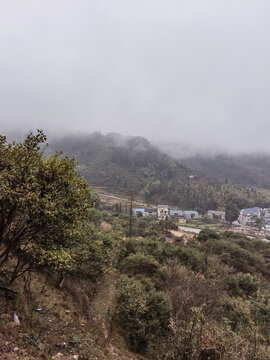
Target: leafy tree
[(231, 213), (142, 313), (140, 264), (260, 222), (42, 202), (242, 284), (96, 216), (89, 254), (206, 234)]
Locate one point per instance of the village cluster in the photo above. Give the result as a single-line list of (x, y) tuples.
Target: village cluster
[(247, 217), (164, 213)]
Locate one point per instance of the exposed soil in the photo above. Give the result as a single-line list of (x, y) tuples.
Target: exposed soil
[(73, 321)]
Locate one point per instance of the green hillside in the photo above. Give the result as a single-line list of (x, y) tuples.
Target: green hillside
[(250, 170), (78, 282), (125, 164)]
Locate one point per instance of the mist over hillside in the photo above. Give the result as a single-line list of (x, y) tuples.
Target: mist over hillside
[(245, 169), (241, 169), (124, 164), (154, 171)]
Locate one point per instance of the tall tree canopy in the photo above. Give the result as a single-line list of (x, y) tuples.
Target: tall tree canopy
[(231, 212), (42, 199)]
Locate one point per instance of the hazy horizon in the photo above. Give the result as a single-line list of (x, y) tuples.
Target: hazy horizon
[(195, 73)]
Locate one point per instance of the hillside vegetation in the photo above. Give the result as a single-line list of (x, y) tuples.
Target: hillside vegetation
[(249, 170), (91, 285), (125, 164)]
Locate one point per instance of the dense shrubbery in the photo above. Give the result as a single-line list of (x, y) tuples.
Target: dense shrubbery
[(233, 254), (143, 313), (207, 279), (260, 312), (47, 217), (140, 264), (242, 284), (206, 234), (205, 297)]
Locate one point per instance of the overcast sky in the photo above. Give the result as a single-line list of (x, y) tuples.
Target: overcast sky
[(194, 71)]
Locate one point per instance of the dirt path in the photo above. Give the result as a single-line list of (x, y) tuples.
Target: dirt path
[(113, 199), (99, 314)]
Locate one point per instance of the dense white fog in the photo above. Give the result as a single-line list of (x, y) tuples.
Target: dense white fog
[(195, 72)]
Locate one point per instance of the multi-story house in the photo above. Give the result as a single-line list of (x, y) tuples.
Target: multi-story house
[(248, 216), (163, 212), (215, 214), (191, 214)]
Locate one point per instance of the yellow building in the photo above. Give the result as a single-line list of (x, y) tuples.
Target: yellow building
[(182, 221)]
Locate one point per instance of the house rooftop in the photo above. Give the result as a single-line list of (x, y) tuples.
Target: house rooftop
[(191, 212), (216, 212), (163, 206), (250, 210), (138, 210)]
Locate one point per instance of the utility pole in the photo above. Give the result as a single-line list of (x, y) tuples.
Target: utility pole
[(131, 213)]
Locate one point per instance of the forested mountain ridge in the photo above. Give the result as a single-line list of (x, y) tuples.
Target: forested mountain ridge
[(118, 162), (251, 170), (245, 170), (124, 164)]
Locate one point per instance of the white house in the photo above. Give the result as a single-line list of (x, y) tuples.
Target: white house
[(212, 214), (163, 212), (151, 212), (248, 216), (265, 213), (138, 212), (176, 214), (191, 214)]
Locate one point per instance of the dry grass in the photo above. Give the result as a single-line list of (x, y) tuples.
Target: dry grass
[(73, 321)]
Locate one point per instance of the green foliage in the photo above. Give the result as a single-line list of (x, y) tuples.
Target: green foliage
[(243, 170), (260, 312), (90, 253), (236, 313), (186, 335), (231, 212), (233, 254), (142, 315), (206, 234), (140, 264), (242, 284), (172, 300), (145, 265), (96, 216), (75, 340), (190, 257), (148, 246), (260, 223), (47, 214), (42, 200), (125, 164)]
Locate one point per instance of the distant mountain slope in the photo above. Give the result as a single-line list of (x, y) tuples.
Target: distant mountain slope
[(243, 170), (121, 163), (247, 170), (125, 164)]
